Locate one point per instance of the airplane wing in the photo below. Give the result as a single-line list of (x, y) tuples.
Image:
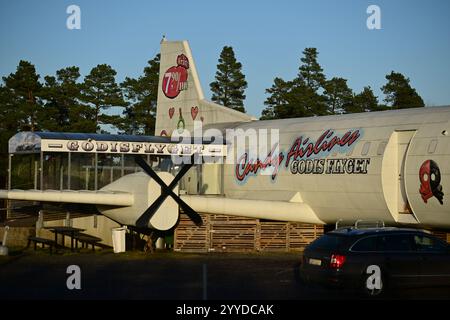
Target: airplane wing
[(261, 209), (111, 198)]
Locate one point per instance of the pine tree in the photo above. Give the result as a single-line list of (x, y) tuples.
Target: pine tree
[(230, 84), (399, 93), (338, 95), (310, 70), (10, 124), (277, 99), (25, 87), (303, 101), (101, 92), (364, 101), (141, 95), (303, 98), (62, 109), (299, 97)]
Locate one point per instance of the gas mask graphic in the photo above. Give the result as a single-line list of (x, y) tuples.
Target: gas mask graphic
[(430, 181)]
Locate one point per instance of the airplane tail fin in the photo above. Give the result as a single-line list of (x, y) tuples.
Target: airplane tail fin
[(180, 96)]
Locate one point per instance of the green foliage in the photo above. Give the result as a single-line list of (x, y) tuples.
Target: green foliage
[(399, 93), (277, 99), (303, 101), (230, 84), (101, 92), (310, 94), (310, 71), (299, 97), (365, 101), (141, 96), (24, 86), (9, 124), (338, 95), (62, 108)]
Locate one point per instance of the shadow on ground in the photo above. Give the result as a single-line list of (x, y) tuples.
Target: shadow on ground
[(166, 275)]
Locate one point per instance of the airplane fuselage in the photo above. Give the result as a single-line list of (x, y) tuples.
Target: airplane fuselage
[(392, 166)]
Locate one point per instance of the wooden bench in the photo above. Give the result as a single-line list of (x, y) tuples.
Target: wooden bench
[(86, 240), (50, 243)]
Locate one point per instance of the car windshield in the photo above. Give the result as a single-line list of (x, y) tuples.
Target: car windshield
[(330, 242)]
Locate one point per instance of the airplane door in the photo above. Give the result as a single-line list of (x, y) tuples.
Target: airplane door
[(427, 175), (403, 140), (393, 176)]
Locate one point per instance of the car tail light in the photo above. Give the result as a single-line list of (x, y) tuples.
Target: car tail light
[(337, 261)]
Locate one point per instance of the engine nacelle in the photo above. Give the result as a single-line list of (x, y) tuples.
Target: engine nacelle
[(145, 191)]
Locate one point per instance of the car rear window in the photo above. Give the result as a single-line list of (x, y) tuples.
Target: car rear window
[(329, 242), (365, 244)]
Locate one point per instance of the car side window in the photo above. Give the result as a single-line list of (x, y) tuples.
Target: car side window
[(427, 244), (398, 242), (368, 244)]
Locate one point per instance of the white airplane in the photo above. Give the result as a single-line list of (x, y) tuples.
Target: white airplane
[(392, 166)]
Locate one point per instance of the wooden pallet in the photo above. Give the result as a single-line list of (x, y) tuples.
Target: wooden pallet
[(301, 235), (273, 236), (226, 236), (191, 238), (221, 233)]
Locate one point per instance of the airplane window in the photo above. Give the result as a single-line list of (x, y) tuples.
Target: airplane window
[(365, 149), (432, 146), (381, 148)]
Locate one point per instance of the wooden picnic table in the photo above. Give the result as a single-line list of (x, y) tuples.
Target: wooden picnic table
[(65, 231)]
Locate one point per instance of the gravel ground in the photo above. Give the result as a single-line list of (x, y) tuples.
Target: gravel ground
[(104, 275)]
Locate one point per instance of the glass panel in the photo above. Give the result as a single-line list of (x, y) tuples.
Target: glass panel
[(25, 171), (82, 174), (427, 244), (395, 243), (109, 168), (367, 244), (330, 242), (211, 178), (55, 170), (130, 165)]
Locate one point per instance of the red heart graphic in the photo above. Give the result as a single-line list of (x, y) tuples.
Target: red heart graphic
[(194, 112), (171, 112)]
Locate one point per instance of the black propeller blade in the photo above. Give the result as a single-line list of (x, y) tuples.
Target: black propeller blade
[(166, 191)]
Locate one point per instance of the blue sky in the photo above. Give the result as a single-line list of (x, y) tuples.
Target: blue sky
[(268, 38)]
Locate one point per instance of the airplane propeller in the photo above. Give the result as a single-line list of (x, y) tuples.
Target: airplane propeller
[(166, 190)]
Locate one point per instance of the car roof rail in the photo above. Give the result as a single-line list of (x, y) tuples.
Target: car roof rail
[(359, 224), (341, 225), (369, 224)]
